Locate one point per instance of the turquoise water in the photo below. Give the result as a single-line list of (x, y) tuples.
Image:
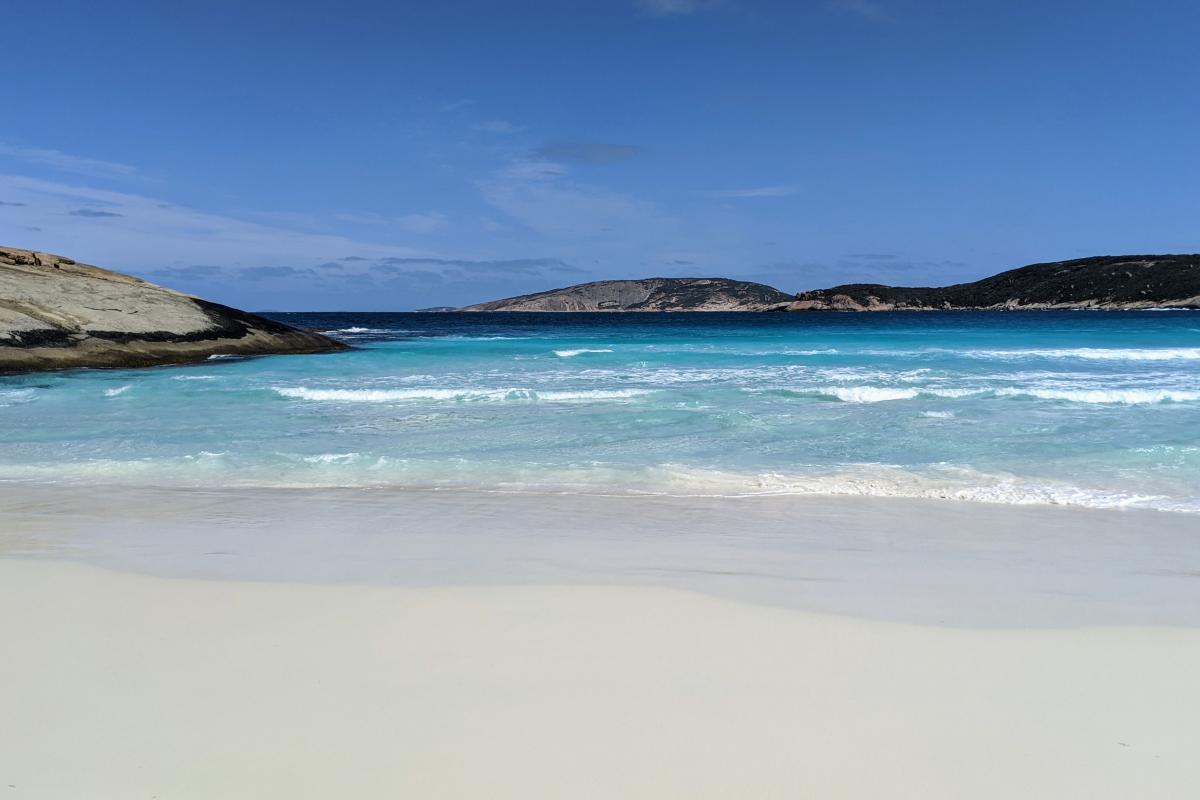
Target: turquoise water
[(1093, 409)]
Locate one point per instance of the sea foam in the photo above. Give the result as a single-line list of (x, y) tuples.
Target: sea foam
[(1093, 353), (1105, 396), (573, 353), (458, 395)]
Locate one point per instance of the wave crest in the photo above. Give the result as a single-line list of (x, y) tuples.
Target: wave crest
[(455, 395)]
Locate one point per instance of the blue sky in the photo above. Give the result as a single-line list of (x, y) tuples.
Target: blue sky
[(389, 156)]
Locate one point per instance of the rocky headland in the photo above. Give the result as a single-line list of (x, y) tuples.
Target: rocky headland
[(648, 294), (1118, 283), (56, 313), (1100, 283)]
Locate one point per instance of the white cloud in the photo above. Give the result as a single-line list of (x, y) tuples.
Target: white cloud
[(134, 232), (65, 162), (665, 8), (541, 195), (759, 191), (499, 126), (867, 9), (422, 223), (455, 105)]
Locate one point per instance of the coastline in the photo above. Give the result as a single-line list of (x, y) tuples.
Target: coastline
[(258, 643), (939, 562)]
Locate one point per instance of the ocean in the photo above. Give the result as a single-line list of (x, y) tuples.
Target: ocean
[(1095, 409)]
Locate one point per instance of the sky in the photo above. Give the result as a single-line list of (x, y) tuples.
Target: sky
[(365, 155)]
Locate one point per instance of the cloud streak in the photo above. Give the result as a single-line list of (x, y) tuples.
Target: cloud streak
[(145, 232), (65, 162), (667, 8), (542, 196), (866, 9), (422, 223), (758, 191), (587, 152)]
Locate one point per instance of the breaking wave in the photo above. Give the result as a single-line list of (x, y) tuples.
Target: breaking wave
[(573, 353), (1106, 396), (456, 395), (1092, 353), (879, 394)]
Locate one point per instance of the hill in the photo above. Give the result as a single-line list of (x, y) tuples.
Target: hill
[(648, 294), (1101, 282)]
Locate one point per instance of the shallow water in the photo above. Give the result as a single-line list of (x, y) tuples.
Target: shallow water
[(921, 561), (1091, 409)]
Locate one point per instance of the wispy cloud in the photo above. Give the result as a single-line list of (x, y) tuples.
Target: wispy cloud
[(422, 223), (511, 266), (456, 105), (587, 152), (675, 8), (499, 126), (65, 162), (145, 232), (542, 195), (867, 9), (758, 191)]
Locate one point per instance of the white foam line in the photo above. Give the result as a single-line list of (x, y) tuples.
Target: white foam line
[(459, 395)]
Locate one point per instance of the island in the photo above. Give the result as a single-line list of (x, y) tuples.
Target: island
[(1120, 283), (1098, 283), (56, 313), (647, 294)]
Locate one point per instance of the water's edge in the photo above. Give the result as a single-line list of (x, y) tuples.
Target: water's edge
[(931, 562)]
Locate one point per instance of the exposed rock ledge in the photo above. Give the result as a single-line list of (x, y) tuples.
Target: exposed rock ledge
[(647, 294), (57, 314)]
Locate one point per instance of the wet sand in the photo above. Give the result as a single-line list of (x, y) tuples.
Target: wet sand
[(291, 644)]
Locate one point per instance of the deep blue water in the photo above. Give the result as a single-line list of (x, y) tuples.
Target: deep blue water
[(1090, 408)]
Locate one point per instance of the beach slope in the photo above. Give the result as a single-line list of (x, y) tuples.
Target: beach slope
[(121, 686)]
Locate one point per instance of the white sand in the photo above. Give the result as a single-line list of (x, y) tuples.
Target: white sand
[(124, 686)]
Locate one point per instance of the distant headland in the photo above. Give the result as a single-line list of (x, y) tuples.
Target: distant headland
[(647, 294), (1101, 282)]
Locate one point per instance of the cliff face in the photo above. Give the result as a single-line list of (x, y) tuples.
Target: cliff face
[(56, 314), (1103, 282), (650, 294)]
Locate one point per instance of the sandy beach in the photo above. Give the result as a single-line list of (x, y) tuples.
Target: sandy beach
[(125, 686), (174, 645)]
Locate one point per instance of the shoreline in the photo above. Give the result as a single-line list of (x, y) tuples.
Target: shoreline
[(292, 644), (955, 564)]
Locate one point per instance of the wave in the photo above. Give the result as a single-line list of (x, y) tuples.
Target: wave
[(1092, 353), (120, 390), (353, 469), (458, 395), (12, 396), (867, 394), (353, 330), (880, 394), (573, 353), (1105, 396), (886, 481)]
